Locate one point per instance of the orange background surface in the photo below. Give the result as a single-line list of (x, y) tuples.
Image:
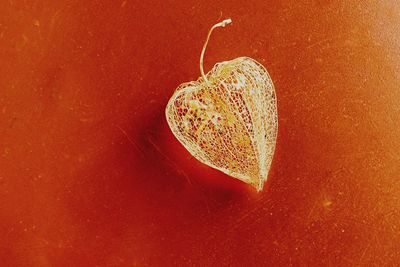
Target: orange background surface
[(90, 174)]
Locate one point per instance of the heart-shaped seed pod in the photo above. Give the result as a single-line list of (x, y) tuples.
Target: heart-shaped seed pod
[(228, 119)]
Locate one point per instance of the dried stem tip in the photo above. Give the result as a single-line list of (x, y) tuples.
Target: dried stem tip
[(220, 24)]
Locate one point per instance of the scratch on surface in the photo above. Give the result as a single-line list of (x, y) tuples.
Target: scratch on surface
[(241, 219), (364, 252), (134, 144), (322, 41), (171, 162), (238, 223), (311, 211)]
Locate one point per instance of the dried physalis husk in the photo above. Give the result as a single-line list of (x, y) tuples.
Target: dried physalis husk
[(227, 119)]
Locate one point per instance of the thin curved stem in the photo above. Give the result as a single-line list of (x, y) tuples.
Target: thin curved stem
[(220, 24)]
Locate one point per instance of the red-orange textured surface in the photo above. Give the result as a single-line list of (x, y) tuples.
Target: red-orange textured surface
[(90, 174)]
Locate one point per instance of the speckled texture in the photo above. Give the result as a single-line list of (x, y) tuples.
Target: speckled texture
[(90, 174)]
